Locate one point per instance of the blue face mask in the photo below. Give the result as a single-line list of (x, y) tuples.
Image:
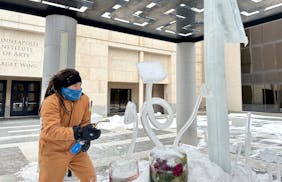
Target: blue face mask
[(71, 94)]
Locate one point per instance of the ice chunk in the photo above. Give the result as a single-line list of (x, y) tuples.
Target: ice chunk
[(151, 72)]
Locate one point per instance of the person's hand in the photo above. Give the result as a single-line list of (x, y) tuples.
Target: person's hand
[(86, 146), (77, 131), (86, 133), (90, 133)]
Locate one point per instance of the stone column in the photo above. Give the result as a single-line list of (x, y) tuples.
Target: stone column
[(59, 46), (186, 89), (233, 75), (141, 85)]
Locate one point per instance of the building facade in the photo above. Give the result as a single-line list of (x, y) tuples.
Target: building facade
[(106, 60), (262, 68), (107, 63)]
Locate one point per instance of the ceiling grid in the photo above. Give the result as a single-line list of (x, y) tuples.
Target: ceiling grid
[(175, 21)]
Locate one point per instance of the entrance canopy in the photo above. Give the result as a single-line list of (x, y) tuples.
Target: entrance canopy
[(170, 20)]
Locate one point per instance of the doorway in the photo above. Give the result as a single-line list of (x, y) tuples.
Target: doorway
[(25, 98), (2, 97), (118, 100)]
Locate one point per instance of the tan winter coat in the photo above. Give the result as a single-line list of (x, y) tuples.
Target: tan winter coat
[(57, 138)]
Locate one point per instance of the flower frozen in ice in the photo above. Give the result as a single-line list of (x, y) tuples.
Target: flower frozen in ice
[(177, 170)]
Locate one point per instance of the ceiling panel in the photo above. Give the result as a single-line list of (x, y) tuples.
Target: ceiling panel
[(170, 20)]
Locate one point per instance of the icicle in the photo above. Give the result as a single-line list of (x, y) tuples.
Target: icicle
[(248, 138)]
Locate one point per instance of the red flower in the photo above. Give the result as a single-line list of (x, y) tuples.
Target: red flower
[(177, 170)]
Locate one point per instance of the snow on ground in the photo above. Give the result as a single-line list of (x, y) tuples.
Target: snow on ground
[(201, 169)]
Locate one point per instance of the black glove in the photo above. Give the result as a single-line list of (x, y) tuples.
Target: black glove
[(86, 133), (86, 146), (90, 133), (77, 132)]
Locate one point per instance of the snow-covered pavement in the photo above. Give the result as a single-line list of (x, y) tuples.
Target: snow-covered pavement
[(18, 146)]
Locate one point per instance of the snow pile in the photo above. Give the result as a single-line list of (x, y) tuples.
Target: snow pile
[(124, 169), (117, 122), (200, 169), (28, 173), (166, 152)]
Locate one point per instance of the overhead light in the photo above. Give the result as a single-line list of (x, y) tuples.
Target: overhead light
[(172, 22), (197, 10), (169, 11), (81, 9), (117, 6), (106, 15), (192, 8), (141, 24), (160, 28), (137, 13), (272, 7), (54, 4), (169, 31), (151, 5), (185, 34), (121, 20), (186, 26), (249, 14), (38, 1), (179, 16), (256, 1)]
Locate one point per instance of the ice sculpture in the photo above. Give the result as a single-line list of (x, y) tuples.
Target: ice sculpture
[(222, 24), (248, 138), (124, 170), (130, 116), (248, 141), (204, 92), (147, 118), (152, 72)]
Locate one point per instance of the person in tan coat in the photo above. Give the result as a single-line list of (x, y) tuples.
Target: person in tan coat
[(65, 115)]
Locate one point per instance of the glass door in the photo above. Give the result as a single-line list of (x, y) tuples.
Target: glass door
[(2, 97), (32, 98), (25, 97)]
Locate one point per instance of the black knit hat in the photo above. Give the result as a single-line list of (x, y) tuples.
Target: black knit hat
[(70, 79)]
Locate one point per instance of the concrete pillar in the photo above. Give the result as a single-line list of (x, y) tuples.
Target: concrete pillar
[(59, 46), (141, 85), (233, 75), (186, 90)]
